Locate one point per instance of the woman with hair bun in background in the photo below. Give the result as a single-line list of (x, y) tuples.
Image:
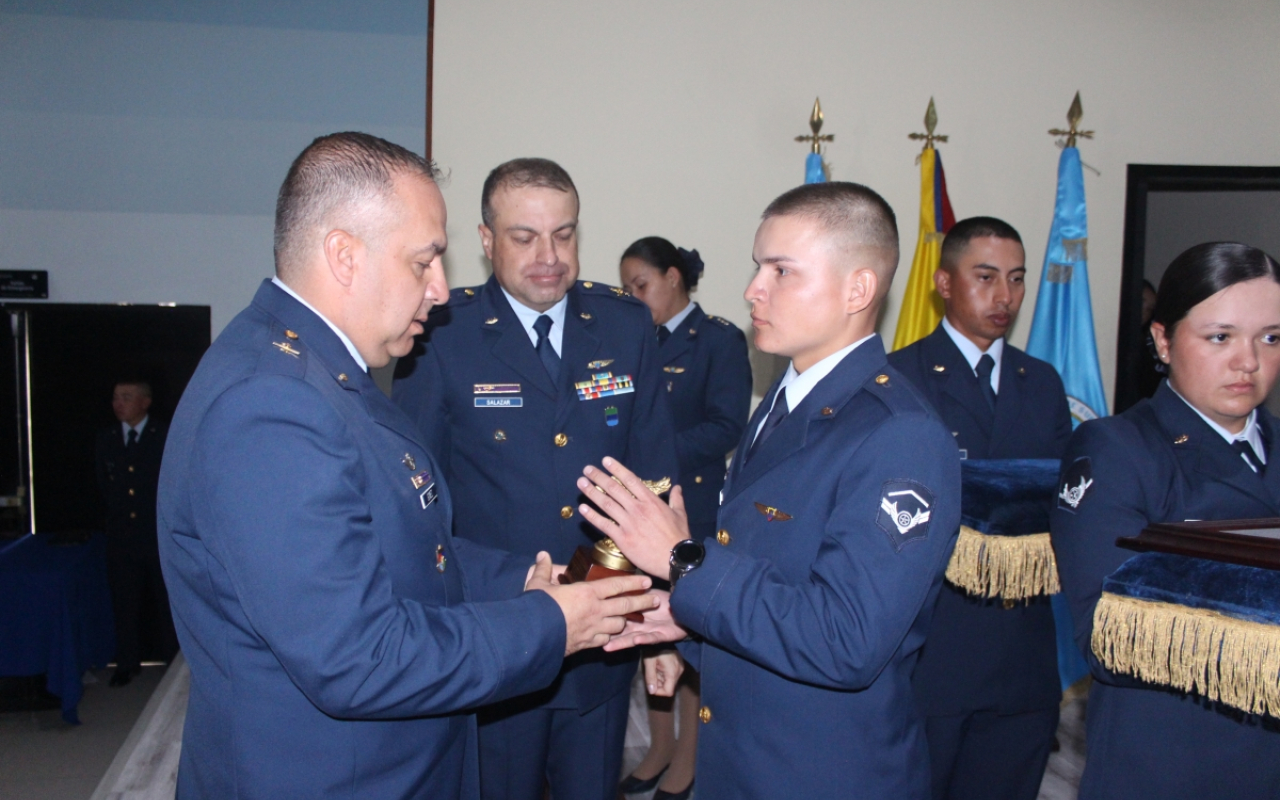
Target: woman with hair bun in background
[(708, 381)]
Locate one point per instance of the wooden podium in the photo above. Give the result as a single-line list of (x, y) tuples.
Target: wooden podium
[(1248, 542)]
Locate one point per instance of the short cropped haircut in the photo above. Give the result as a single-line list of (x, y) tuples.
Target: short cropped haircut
[(519, 173), (333, 176), (850, 210), (144, 388), (966, 230)]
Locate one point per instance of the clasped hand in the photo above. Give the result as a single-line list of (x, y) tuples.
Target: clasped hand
[(645, 529), (593, 610)]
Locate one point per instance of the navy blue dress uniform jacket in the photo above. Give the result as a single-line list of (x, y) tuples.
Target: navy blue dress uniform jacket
[(513, 468), (128, 482), (1160, 462), (816, 593), (980, 655), (707, 376), (327, 615)]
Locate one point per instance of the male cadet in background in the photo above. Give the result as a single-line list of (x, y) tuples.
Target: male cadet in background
[(987, 680), (517, 384), (330, 619), (127, 458), (839, 514)]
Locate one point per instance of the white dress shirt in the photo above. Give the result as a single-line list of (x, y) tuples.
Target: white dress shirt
[(680, 317), (797, 385), (528, 316), (971, 352), (126, 427)]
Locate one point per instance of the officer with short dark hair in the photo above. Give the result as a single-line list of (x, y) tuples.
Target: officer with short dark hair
[(987, 680), (515, 385), (840, 510), (127, 458)]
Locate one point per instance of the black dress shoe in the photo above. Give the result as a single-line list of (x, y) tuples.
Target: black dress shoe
[(633, 785), (122, 676), (681, 795)]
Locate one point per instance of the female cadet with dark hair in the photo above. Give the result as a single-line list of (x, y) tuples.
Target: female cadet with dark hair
[(708, 380), (1199, 449)]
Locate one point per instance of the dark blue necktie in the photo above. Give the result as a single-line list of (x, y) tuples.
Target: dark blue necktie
[(985, 365), (133, 440), (1246, 450), (663, 332), (776, 415), (550, 359)]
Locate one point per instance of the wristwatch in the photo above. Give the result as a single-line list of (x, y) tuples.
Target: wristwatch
[(685, 558)]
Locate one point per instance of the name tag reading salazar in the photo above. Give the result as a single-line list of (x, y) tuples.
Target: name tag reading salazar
[(499, 402)]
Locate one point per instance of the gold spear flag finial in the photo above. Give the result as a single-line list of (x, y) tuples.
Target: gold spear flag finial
[(815, 125), (1074, 115), (930, 125)]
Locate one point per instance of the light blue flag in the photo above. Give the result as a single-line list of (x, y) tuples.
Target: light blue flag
[(813, 172), (1062, 334)]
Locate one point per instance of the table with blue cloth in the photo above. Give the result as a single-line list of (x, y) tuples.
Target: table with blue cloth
[(55, 613)]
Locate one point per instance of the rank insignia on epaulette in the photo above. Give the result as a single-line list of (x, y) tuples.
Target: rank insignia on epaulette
[(772, 514), (285, 347), (617, 291), (720, 320), (600, 364), (440, 559), (675, 370)]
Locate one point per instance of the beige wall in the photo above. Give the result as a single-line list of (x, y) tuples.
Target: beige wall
[(677, 118)]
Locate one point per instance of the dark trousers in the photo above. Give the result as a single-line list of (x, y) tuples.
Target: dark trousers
[(139, 601), (579, 755), (984, 755)]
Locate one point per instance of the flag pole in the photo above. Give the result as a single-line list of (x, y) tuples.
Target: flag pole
[(814, 171)]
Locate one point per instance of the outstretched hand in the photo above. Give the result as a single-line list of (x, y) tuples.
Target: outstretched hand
[(593, 610), (642, 526), (659, 627)]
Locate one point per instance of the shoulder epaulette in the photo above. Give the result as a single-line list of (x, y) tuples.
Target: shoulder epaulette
[(464, 293), (720, 320), (284, 353), (595, 287)]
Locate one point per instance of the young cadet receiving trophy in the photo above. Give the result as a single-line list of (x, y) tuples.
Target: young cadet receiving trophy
[(840, 510)]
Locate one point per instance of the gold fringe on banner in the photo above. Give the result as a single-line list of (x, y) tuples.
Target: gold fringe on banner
[(1229, 660), (1010, 567)]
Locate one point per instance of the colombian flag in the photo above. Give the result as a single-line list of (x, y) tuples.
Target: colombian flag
[(921, 306)]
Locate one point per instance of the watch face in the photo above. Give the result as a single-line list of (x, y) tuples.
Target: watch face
[(689, 553)]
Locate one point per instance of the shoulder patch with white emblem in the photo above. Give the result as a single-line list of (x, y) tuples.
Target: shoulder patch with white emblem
[(904, 511), (1075, 484)]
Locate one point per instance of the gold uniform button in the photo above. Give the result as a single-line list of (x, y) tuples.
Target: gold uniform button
[(561, 440), (566, 512), (131, 493), (587, 284), (826, 411), (704, 714), (585, 315), (469, 292), (1181, 439), (131, 469), (697, 479), (499, 435), (133, 515), (722, 536), (882, 379), (342, 376), (291, 334)]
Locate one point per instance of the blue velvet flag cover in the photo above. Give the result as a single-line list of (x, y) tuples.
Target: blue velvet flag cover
[(1003, 549), (1196, 626)]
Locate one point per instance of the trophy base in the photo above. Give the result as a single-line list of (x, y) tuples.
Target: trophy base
[(582, 567)]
